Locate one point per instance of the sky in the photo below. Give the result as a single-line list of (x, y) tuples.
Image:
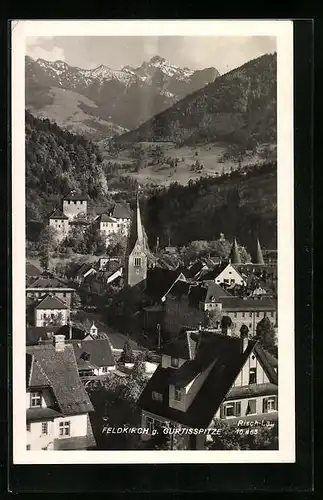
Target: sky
[(87, 52)]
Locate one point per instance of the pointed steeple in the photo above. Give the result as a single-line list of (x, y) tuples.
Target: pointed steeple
[(137, 251), (259, 259), (234, 254), (136, 231)]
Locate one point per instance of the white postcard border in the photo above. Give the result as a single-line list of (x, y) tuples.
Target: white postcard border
[(283, 31)]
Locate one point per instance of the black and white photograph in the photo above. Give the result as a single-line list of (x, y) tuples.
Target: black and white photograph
[(153, 229)]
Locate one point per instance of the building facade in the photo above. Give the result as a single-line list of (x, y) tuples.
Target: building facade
[(204, 377), (57, 405)]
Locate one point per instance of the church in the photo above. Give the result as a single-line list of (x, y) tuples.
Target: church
[(137, 252)]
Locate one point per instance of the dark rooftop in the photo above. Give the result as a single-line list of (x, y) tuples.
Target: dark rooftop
[(51, 303), (48, 282), (32, 271), (58, 214), (223, 357), (58, 370), (98, 350)]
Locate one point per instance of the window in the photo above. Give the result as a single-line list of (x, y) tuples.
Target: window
[(64, 428), (174, 362), (156, 396), (35, 400), (235, 315), (75, 202), (243, 314), (232, 409), (177, 394), (257, 314), (28, 447), (81, 202), (250, 325), (68, 202), (272, 314), (251, 407), (44, 428), (226, 280), (104, 369), (28, 427), (250, 315), (150, 424), (252, 375), (137, 261), (269, 404), (232, 281)]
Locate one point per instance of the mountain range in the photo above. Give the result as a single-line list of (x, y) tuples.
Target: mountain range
[(102, 102), (237, 108)]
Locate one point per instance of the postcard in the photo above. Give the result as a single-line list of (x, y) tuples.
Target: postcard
[(153, 259)]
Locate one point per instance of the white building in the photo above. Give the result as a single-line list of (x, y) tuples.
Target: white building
[(57, 405), (51, 310)]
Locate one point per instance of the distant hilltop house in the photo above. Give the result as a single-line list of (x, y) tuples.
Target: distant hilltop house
[(113, 221), (75, 211), (58, 407), (206, 377)]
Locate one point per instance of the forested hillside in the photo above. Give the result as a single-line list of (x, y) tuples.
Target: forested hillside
[(238, 204), (56, 162), (239, 107)]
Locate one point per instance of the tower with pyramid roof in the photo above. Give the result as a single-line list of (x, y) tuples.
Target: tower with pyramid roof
[(259, 259), (137, 252), (234, 257)]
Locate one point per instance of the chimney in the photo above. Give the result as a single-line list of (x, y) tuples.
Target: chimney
[(59, 342), (244, 337)]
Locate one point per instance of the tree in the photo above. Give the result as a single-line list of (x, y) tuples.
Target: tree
[(212, 319), (54, 320), (127, 355), (138, 370), (46, 244), (265, 333)]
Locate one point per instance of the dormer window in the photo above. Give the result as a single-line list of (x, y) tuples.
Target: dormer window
[(174, 362), (35, 399), (157, 396)]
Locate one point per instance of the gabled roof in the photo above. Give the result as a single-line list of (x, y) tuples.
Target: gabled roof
[(58, 371), (183, 347), (51, 303), (160, 281), (249, 304), (32, 271), (214, 273), (58, 214), (75, 196), (48, 282), (223, 357), (84, 268), (118, 340), (121, 211), (106, 218), (98, 350)]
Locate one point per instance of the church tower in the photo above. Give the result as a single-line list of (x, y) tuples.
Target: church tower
[(137, 252), (259, 259), (234, 254)]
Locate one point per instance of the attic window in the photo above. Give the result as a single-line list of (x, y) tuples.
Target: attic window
[(174, 362), (157, 396)]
